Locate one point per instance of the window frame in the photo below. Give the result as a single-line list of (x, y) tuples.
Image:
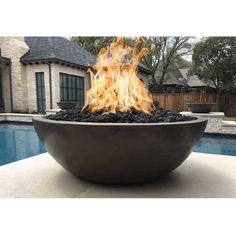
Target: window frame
[(71, 88), (41, 98)]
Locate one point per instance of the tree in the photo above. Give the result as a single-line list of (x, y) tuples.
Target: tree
[(165, 53), (93, 44), (214, 59)]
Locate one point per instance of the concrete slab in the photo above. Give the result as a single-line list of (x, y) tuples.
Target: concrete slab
[(201, 175)]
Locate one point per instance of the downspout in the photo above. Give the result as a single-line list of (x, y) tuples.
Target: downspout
[(10, 81), (50, 83)]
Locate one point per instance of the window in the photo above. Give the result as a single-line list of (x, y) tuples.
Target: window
[(71, 88), (40, 92)]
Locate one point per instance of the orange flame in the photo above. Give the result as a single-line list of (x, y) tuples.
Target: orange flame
[(115, 85)]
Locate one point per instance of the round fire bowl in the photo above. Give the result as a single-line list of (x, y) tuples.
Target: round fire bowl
[(66, 105), (119, 153), (200, 107)]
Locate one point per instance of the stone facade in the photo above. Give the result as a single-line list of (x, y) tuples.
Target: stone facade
[(214, 124), (56, 69), (6, 88), (24, 78), (14, 48)]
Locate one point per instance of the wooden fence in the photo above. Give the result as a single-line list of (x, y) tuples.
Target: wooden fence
[(227, 104), (177, 101)]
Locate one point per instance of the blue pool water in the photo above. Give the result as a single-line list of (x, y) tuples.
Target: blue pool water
[(19, 141), (217, 144)]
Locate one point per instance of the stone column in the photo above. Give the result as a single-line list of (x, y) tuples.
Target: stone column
[(14, 48)]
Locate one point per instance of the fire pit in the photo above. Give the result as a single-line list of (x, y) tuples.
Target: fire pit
[(66, 105), (119, 153), (200, 107), (119, 137)]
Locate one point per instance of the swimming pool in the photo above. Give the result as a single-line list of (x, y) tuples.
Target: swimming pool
[(19, 141), (222, 144)]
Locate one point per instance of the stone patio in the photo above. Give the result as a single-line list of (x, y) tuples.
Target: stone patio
[(201, 175), (214, 124)]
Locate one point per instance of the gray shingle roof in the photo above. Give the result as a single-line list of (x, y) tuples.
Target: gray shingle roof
[(59, 48), (45, 48), (180, 77)]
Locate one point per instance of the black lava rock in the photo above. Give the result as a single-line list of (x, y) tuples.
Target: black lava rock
[(134, 116)]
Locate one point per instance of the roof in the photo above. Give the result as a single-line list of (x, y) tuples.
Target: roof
[(174, 78), (180, 77), (144, 69), (61, 49), (194, 81)]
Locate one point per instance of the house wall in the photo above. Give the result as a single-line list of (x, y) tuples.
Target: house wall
[(56, 70), (1, 41), (14, 48), (31, 86), (6, 88), (24, 79)]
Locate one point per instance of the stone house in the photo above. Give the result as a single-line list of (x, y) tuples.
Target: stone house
[(38, 72)]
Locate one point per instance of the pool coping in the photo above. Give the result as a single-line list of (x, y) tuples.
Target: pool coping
[(200, 176), (17, 117)]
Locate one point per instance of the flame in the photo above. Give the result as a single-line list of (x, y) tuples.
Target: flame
[(115, 85)]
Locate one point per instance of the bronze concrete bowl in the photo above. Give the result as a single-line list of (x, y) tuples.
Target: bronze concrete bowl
[(66, 105), (200, 107), (119, 153)]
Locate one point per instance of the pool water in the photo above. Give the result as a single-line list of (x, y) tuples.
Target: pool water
[(19, 141), (221, 144)]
